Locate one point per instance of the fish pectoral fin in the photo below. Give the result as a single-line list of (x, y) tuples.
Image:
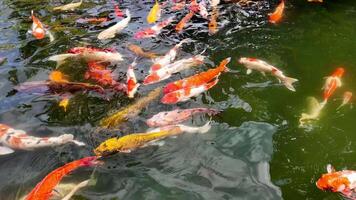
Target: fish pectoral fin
[(5, 150), (158, 143), (249, 71)]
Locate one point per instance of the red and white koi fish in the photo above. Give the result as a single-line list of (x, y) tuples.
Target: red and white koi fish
[(198, 79), (262, 66), (339, 181), (181, 24), (194, 6), (89, 54), (118, 11), (154, 30), (44, 189), (132, 84), (178, 5), (167, 71), (276, 16), (177, 116), (12, 139), (115, 29), (186, 93), (168, 58), (202, 9), (332, 82), (71, 6), (38, 30), (346, 99)]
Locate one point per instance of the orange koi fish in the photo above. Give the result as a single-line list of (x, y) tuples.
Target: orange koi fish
[(155, 13), (132, 84), (183, 22), (154, 30), (38, 30), (198, 79), (186, 93), (64, 103), (140, 52), (332, 82), (213, 25), (44, 189), (338, 181), (276, 16), (346, 99)]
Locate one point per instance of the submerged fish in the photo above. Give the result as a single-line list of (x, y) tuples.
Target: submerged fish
[(140, 52), (70, 6), (186, 93), (263, 67), (343, 182), (198, 79), (130, 111), (332, 82), (346, 99), (131, 142), (154, 14), (132, 84), (75, 188), (115, 29), (89, 54), (178, 5), (202, 9), (181, 24), (177, 116), (276, 16), (213, 24), (313, 111), (44, 189), (167, 71), (154, 30), (93, 20), (38, 30), (12, 139)]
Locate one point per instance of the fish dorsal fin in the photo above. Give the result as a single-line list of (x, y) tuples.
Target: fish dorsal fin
[(330, 168)]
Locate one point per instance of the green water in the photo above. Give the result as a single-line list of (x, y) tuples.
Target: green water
[(256, 136)]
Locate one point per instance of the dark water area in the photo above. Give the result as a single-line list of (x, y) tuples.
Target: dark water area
[(255, 149)]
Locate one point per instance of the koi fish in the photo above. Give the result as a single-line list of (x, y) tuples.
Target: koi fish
[(276, 16), (177, 116), (184, 21), (313, 111), (132, 84), (198, 79), (346, 99), (338, 181), (64, 103), (202, 9), (154, 30), (70, 6), (166, 72), (332, 82), (89, 54), (168, 58), (213, 25), (93, 20), (154, 14), (194, 6), (44, 189), (38, 30), (186, 93), (12, 139), (118, 11), (178, 6), (115, 29), (130, 111), (214, 3), (129, 143), (262, 66), (140, 52)]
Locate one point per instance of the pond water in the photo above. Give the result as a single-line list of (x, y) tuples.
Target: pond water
[(255, 149)]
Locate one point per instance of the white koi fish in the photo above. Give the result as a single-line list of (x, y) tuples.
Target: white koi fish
[(70, 6), (167, 71), (18, 139), (132, 84), (262, 66), (117, 28)]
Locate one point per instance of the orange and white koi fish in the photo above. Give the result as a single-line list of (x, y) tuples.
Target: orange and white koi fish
[(154, 14), (332, 82), (202, 9), (314, 109), (154, 30), (168, 58), (167, 71), (12, 139), (44, 189), (132, 84), (186, 93), (276, 16), (213, 24), (89, 54), (70, 6), (181, 24), (346, 99), (339, 181), (177, 116), (115, 29), (140, 52), (263, 67), (198, 79), (38, 30), (194, 6)]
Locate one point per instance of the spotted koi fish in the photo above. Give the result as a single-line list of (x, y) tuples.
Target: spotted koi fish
[(12, 139), (38, 30), (132, 84), (198, 79), (154, 30)]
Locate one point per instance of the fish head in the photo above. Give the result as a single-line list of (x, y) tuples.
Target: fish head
[(334, 182), (152, 78), (339, 72), (39, 33), (108, 147)]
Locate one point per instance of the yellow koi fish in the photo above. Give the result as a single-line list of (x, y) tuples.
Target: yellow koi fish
[(129, 112), (314, 110), (70, 6), (154, 14)]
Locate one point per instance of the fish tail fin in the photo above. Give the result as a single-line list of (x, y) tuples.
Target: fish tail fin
[(288, 82), (128, 14), (205, 128)]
